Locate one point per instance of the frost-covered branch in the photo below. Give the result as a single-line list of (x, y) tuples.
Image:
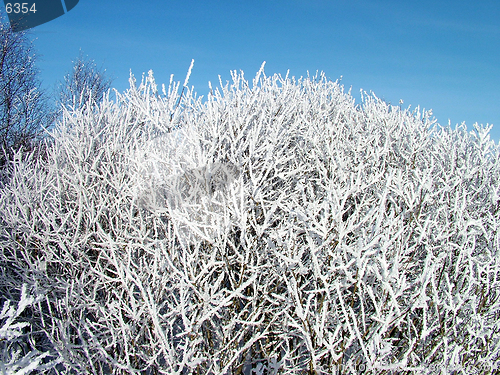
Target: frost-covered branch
[(276, 227)]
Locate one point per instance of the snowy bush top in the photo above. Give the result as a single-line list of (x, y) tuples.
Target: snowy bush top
[(276, 227)]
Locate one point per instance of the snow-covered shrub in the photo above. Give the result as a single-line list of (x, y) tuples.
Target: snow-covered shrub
[(277, 227), (18, 353)]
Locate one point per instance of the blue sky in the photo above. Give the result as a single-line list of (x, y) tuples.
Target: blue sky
[(441, 55)]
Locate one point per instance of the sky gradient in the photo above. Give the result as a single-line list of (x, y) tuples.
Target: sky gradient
[(439, 55)]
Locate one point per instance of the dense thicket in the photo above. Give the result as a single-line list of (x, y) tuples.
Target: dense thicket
[(277, 227)]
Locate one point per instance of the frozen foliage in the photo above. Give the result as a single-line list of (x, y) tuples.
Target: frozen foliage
[(12, 346), (276, 227)]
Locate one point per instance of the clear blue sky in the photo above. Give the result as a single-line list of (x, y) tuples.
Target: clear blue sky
[(443, 55)]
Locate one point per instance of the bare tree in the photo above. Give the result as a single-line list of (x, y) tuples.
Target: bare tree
[(84, 83), (24, 108)]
